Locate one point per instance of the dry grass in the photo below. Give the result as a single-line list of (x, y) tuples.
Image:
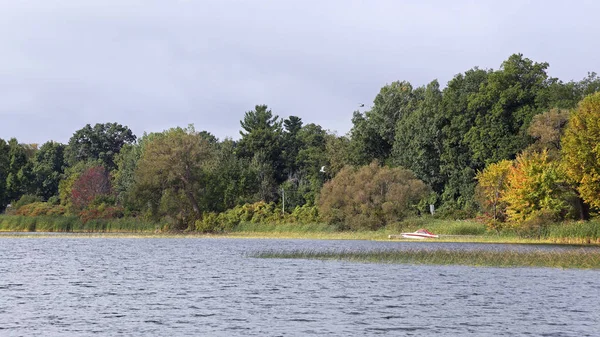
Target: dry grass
[(579, 258)]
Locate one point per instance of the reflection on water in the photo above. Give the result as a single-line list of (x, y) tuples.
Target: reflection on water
[(140, 287)]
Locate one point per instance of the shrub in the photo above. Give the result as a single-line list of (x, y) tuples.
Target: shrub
[(209, 223), (40, 209), (91, 184), (26, 199), (101, 212), (370, 197), (536, 224)]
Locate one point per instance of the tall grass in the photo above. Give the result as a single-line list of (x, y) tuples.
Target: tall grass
[(247, 226), (439, 226), (19, 223), (575, 232), (582, 258)]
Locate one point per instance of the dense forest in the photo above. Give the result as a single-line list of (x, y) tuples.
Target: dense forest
[(511, 144)]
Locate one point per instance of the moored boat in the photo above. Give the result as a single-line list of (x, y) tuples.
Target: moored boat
[(419, 234)]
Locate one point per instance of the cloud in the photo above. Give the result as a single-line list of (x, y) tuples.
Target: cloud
[(155, 64)]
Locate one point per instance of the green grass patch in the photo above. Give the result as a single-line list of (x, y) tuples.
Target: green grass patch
[(580, 258)]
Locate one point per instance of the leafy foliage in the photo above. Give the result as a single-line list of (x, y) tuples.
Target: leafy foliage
[(4, 165), (581, 149), (101, 142), (171, 173), (547, 129), (48, 169), (417, 144), (480, 121), (370, 197), (491, 187), (536, 184), (91, 184)]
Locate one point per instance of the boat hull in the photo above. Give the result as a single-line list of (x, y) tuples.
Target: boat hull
[(418, 236)]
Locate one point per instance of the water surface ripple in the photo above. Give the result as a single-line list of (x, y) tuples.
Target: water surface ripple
[(191, 287)]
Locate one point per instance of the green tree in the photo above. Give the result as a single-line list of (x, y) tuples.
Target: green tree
[(589, 85), (504, 107), (291, 144), (311, 157), (373, 133), (581, 149), (261, 143), (124, 174), (337, 151), (394, 102), (19, 180), (48, 169), (456, 165), (102, 142), (4, 167), (173, 165), (418, 142), (232, 181), (366, 144)]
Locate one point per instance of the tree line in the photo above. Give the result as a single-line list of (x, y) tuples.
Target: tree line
[(460, 148)]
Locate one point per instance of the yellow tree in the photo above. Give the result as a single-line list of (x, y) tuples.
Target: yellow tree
[(492, 182), (536, 184), (581, 149)]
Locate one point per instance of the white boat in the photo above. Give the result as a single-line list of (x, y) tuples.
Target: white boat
[(419, 234)]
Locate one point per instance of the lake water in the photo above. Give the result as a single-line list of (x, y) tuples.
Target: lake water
[(211, 287)]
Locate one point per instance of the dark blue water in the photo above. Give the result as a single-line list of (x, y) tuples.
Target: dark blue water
[(175, 287)]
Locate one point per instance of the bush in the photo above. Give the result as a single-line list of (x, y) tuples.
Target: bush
[(370, 197), (449, 213), (101, 212), (256, 215), (26, 199), (40, 209), (536, 224)]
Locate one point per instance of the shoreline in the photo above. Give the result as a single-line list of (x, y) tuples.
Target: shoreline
[(368, 236)]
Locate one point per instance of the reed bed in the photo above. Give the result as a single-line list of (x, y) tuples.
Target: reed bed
[(284, 227), (575, 258), (20, 223), (439, 226)]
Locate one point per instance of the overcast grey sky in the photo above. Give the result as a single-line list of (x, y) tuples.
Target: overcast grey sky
[(152, 64)]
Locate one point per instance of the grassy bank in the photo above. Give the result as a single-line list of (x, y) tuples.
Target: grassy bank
[(584, 259), (585, 233)]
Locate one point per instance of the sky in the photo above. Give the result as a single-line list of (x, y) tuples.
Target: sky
[(152, 65)]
